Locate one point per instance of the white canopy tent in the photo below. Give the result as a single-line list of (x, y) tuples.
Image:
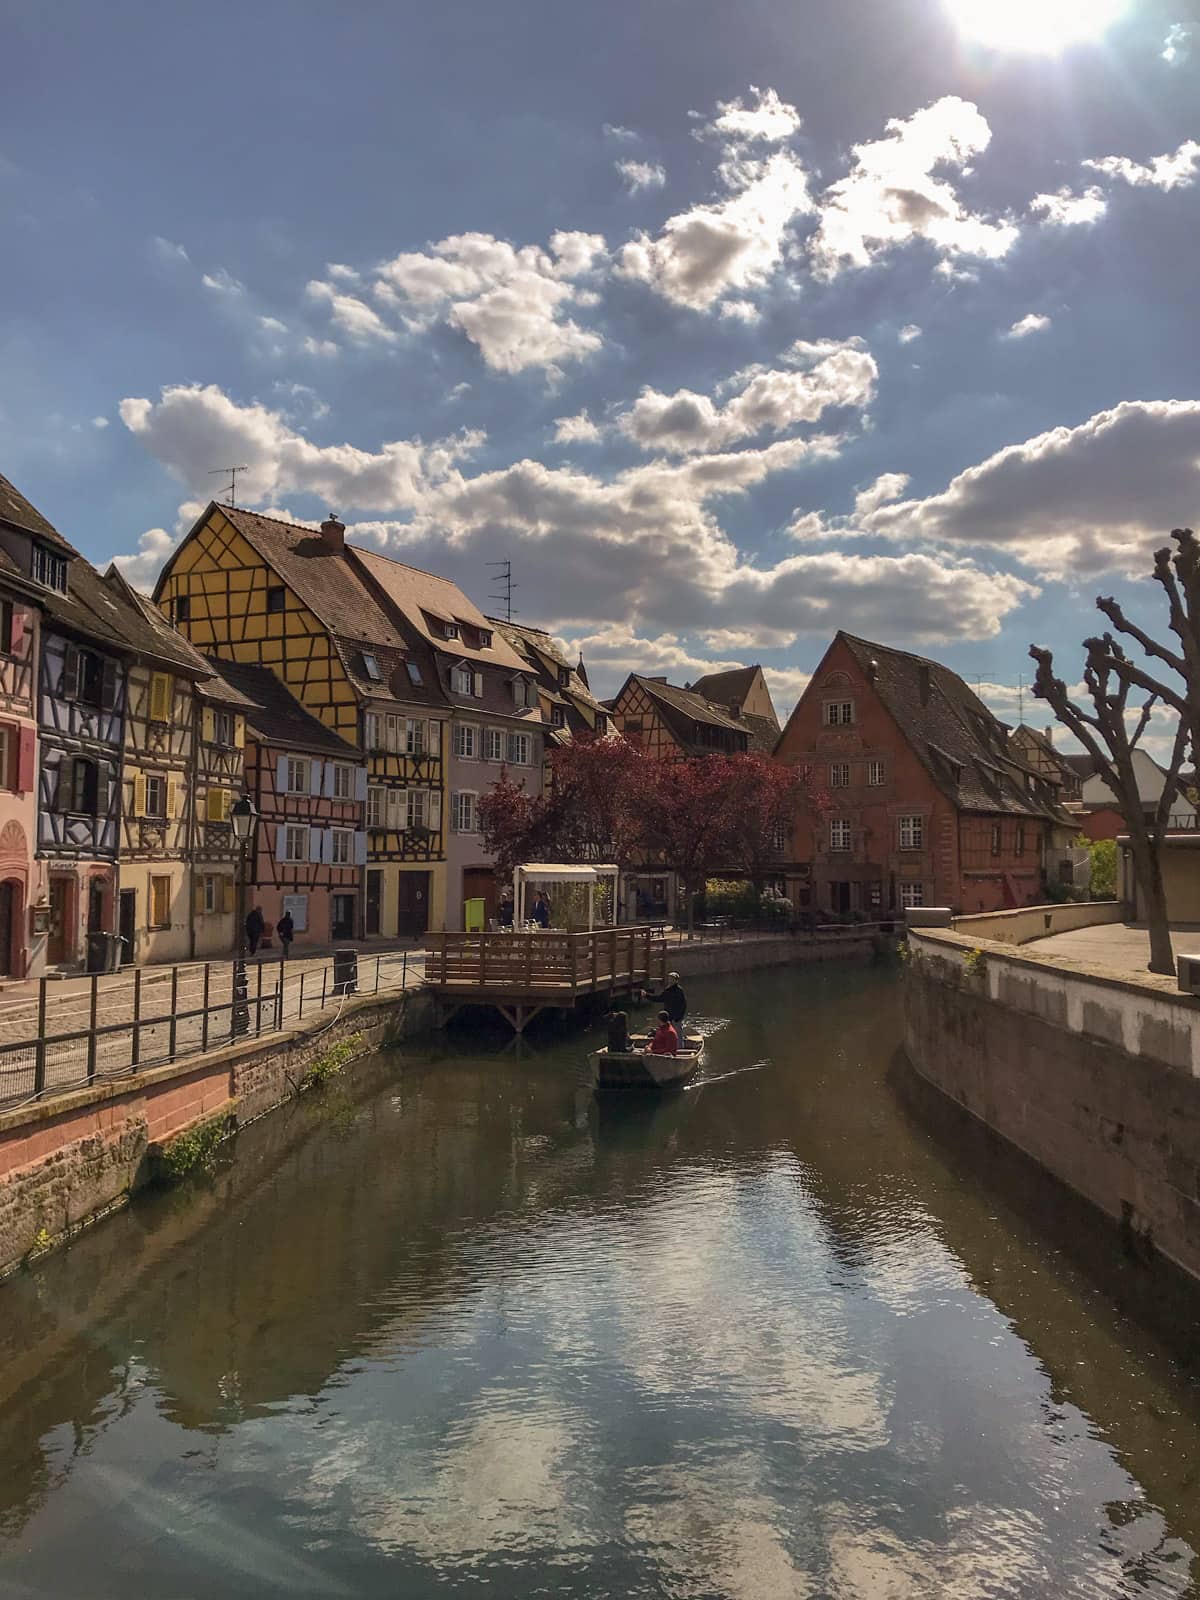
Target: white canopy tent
[(540, 872)]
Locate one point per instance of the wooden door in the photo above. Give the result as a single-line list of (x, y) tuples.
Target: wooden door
[(479, 883), (343, 916), (7, 896), (414, 904), (59, 942), (128, 928), (374, 902)]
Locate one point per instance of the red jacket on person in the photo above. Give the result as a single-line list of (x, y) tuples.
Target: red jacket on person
[(665, 1041)]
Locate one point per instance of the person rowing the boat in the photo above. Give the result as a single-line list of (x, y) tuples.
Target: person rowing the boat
[(675, 1002), (665, 1041)]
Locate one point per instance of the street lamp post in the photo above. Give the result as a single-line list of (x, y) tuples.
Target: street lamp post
[(243, 816)]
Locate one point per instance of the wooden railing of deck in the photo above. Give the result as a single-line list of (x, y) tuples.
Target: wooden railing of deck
[(546, 963)]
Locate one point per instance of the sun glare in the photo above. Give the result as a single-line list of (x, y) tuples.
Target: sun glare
[(1043, 26)]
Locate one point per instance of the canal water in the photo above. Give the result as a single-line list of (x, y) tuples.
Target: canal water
[(793, 1333)]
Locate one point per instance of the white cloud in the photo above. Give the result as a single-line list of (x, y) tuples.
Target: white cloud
[(272, 325), (320, 347), (1031, 323), (576, 430), (344, 274), (510, 303), (739, 311), (168, 250), (891, 196), (769, 120), (190, 427), (1073, 501), (888, 486), (767, 401), (303, 398), (1065, 209), (613, 130), (1176, 45), (222, 282), (353, 316), (1175, 170), (908, 333), (641, 175), (737, 243), (99, 422)]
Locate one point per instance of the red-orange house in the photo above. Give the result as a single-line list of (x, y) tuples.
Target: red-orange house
[(928, 805)]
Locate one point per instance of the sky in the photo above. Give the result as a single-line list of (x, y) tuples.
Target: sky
[(727, 325)]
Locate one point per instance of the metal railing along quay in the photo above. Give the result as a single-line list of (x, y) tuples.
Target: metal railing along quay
[(106, 1027)]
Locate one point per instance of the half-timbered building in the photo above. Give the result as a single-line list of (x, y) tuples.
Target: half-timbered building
[(495, 721), (264, 592), (23, 881), (668, 721), (309, 787), (218, 779), (567, 703)]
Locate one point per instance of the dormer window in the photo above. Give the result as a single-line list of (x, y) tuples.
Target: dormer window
[(558, 717), (485, 639), (414, 672), (371, 668), (50, 568), (524, 693), (564, 677), (462, 680), (450, 630)]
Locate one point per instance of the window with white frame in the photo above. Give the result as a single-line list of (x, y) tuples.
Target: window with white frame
[(341, 847), (875, 774), (343, 783), (464, 812), (297, 780), (524, 693), (493, 744), (779, 837), (50, 568), (462, 680), (912, 894), (375, 805), (414, 737), (156, 795), (223, 728), (838, 713), (558, 717), (418, 808), (373, 730), (212, 893), (912, 833), (466, 740), (295, 844), (839, 834), (839, 775), (414, 672), (520, 749)]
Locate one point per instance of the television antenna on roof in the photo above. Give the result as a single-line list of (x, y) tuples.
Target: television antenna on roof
[(220, 472), (503, 579)]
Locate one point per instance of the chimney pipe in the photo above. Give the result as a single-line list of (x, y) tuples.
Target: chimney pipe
[(1050, 733), (333, 533)]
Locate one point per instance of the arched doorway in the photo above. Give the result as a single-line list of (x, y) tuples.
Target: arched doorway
[(12, 952)]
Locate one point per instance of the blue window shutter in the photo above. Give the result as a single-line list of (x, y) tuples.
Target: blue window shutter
[(281, 842), (360, 784), (360, 849)]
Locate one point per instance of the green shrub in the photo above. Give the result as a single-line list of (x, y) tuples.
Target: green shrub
[(330, 1064), (194, 1150), (974, 964)]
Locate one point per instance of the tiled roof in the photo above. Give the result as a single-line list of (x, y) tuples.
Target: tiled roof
[(541, 651), (325, 581), (764, 733), (15, 509), (959, 741), (681, 709), (726, 688), (395, 680), (274, 713), (423, 596), (145, 628)]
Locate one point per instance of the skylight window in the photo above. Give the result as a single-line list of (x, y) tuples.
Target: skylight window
[(371, 668), (414, 672)]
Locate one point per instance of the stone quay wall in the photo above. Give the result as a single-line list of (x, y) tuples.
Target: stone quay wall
[(1093, 1075), (710, 958), (68, 1160)]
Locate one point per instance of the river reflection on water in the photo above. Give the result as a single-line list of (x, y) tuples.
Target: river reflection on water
[(776, 1337)]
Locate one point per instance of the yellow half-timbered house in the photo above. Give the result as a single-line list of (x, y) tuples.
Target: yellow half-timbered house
[(257, 590)]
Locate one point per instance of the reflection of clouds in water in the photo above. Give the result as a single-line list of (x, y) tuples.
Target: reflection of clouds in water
[(709, 1531), (506, 1481)]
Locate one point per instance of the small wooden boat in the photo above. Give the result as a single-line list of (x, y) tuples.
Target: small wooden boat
[(621, 1070)]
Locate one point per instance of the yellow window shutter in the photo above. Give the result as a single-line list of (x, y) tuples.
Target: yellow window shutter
[(226, 894), (239, 733), (208, 725), (139, 794), (198, 896), (160, 697), (173, 793), (213, 805), (226, 800)]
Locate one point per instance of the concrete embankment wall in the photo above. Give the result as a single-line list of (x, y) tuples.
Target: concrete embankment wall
[(1094, 1076), (748, 955), (1039, 922), (67, 1160)]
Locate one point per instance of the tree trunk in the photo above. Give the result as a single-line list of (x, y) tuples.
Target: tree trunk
[(690, 901), (1147, 865)]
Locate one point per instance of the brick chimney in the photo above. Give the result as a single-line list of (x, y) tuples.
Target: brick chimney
[(333, 533), (1050, 733)]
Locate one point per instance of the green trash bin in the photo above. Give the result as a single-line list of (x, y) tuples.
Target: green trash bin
[(474, 915)]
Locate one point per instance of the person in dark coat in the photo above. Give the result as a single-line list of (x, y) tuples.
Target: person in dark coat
[(674, 1002), (541, 910), (504, 911), (255, 928), (286, 929)]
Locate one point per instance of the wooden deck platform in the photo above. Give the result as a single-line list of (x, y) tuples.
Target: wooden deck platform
[(524, 973)]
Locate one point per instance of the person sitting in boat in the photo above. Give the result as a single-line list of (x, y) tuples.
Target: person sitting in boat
[(675, 1001), (665, 1041), (618, 1033)]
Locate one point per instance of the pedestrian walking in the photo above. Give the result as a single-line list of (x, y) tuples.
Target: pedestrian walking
[(255, 928), (286, 929)]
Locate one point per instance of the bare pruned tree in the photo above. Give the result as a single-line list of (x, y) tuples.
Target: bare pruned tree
[(1106, 735)]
